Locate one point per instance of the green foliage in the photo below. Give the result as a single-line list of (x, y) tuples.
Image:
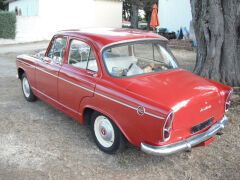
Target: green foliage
[(145, 5), (7, 25), (2, 5)]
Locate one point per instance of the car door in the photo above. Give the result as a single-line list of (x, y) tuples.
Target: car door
[(77, 77), (49, 66)]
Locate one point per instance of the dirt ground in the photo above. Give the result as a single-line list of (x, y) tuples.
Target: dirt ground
[(39, 142)]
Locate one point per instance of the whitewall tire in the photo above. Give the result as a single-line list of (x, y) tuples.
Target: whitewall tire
[(27, 91), (106, 134)]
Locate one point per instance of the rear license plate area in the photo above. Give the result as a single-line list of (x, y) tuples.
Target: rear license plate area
[(202, 126)]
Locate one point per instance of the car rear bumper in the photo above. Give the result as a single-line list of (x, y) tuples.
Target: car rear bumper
[(187, 144)]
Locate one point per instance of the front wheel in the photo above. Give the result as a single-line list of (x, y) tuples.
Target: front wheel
[(27, 91), (106, 134)]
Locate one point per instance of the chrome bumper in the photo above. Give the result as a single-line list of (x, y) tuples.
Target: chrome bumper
[(186, 144)]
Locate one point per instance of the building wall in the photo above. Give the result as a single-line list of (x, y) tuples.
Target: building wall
[(29, 29), (28, 7), (67, 14), (108, 13), (174, 14), (56, 15)]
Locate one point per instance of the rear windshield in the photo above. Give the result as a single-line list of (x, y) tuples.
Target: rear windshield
[(138, 58)]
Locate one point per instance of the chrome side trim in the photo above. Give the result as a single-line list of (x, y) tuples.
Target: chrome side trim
[(65, 80), (186, 144), (76, 85), (99, 94), (47, 72), (153, 115), (26, 63), (129, 106), (59, 77), (114, 100)]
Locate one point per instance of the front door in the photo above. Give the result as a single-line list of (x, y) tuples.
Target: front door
[(48, 68)]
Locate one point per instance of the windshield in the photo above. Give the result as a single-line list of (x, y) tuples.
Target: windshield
[(138, 58)]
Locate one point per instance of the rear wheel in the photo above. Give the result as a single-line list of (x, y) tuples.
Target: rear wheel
[(106, 134), (27, 91)]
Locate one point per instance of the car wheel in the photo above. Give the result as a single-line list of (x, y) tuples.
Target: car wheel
[(27, 91), (106, 134)]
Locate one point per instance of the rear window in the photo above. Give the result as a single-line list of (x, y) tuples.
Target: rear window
[(138, 58)]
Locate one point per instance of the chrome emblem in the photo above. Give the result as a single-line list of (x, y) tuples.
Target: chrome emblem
[(205, 108), (141, 110)]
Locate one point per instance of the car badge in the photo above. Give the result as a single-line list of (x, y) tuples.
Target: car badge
[(205, 108), (141, 110)]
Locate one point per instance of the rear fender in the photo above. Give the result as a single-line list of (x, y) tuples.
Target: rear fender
[(86, 103)]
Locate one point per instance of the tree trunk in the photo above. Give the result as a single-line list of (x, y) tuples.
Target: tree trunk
[(217, 29), (134, 16)]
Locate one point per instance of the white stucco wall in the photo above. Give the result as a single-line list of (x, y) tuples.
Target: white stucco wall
[(108, 13), (56, 15), (67, 14), (30, 29), (174, 14)]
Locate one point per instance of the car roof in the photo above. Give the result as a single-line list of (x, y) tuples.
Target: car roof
[(106, 36)]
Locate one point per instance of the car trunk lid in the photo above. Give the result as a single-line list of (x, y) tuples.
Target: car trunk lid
[(192, 98)]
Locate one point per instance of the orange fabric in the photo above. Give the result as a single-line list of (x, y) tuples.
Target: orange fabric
[(154, 18)]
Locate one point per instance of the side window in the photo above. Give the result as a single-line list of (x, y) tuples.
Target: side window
[(56, 52), (81, 56)]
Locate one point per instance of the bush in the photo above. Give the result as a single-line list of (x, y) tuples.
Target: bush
[(7, 25)]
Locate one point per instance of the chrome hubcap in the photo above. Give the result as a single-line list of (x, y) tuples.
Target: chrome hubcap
[(26, 87), (104, 131)]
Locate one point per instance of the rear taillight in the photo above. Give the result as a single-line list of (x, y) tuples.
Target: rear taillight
[(228, 101), (167, 128)]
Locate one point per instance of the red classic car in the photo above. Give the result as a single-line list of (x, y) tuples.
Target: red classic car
[(127, 86)]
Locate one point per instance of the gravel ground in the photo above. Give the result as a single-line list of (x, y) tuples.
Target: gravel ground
[(39, 142)]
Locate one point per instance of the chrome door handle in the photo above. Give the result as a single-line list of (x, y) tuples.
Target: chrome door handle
[(92, 73)]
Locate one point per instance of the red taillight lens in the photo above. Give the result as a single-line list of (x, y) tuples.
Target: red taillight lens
[(228, 101), (167, 128), (166, 135)]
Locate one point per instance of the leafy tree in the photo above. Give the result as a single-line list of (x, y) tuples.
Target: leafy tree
[(126, 10), (2, 5), (131, 8), (217, 29)]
